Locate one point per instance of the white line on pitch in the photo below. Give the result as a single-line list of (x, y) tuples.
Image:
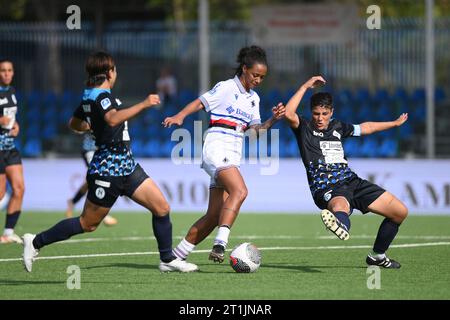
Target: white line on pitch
[(118, 254), (253, 237)]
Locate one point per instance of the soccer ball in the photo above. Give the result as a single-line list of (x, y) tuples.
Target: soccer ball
[(245, 258)]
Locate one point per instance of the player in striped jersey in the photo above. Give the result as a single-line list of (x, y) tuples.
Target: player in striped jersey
[(234, 108)]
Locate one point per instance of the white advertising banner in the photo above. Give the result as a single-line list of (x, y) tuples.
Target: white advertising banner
[(279, 187), (304, 23)]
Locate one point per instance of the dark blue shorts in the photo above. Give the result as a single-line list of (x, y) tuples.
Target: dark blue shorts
[(359, 193), (9, 158), (104, 191)]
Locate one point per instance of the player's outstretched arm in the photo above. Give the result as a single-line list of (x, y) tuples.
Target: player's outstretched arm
[(78, 125), (293, 103), (178, 119), (115, 117), (372, 127), (278, 113)]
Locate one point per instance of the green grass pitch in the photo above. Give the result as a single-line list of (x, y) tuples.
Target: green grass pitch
[(300, 260)]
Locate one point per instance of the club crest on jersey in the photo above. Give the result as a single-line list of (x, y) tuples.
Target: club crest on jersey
[(317, 134), (337, 134), (105, 103), (13, 97)]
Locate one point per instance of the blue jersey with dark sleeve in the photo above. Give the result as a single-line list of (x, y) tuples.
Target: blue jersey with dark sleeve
[(113, 156), (323, 154), (8, 107)]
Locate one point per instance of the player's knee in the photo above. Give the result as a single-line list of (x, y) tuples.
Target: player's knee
[(162, 210), (402, 213), (242, 194), (88, 226), (18, 189)]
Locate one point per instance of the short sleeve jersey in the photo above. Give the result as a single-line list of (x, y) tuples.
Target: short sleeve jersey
[(323, 154), (230, 104), (113, 156), (8, 107)]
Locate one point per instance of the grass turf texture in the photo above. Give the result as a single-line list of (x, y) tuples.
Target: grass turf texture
[(303, 267)]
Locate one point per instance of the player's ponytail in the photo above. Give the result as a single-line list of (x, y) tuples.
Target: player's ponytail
[(98, 66), (248, 56)]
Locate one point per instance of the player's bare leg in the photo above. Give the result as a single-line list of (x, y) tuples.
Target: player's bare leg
[(14, 174), (395, 212), (203, 226), (233, 183)]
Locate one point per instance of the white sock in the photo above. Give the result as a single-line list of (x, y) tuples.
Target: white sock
[(222, 236), (378, 255), (183, 249), (8, 232)]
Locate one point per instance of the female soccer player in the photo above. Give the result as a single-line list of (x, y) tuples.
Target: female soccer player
[(113, 171), (334, 186), (234, 108), (87, 152), (10, 160)]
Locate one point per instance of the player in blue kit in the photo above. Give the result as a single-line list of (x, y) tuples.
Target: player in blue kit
[(87, 153), (113, 171), (10, 160), (335, 188)]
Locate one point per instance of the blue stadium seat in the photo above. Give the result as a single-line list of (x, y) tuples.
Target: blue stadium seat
[(49, 131), (364, 113), (137, 147), (388, 148), (185, 96), (344, 97), (362, 95), (439, 95), (406, 131), (418, 96), (384, 113), (351, 147), (32, 148), (369, 147), (401, 96), (381, 96), (273, 97)]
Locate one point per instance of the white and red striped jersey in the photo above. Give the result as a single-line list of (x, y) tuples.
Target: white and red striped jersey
[(230, 105)]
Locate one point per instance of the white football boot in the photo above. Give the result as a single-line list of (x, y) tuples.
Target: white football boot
[(29, 252), (177, 265)]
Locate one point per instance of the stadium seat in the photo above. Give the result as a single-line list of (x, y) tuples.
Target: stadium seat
[(388, 148), (362, 96), (32, 148), (369, 147), (381, 96), (351, 147), (384, 113)]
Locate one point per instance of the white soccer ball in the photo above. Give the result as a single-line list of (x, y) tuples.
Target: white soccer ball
[(245, 258)]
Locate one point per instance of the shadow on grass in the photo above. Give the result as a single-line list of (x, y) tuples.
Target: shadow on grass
[(10, 282), (308, 269)]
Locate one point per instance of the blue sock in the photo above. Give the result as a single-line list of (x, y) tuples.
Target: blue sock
[(162, 229), (61, 231), (386, 234), (11, 219), (344, 218)]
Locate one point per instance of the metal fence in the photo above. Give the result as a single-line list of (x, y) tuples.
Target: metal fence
[(49, 57)]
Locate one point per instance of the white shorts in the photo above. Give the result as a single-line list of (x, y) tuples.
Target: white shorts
[(222, 149)]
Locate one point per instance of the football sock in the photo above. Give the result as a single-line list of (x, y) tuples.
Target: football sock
[(8, 232), (386, 234), (222, 236), (77, 197), (61, 231), (344, 218), (183, 249), (11, 219), (162, 229)]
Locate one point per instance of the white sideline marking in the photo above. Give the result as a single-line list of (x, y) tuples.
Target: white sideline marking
[(253, 237), (118, 254)]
